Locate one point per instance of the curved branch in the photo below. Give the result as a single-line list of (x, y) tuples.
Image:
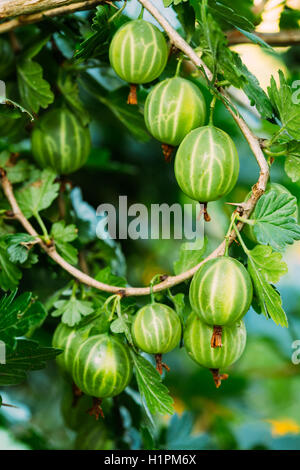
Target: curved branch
[(247, 207), (42, 15), (14, 8), (285, 37)]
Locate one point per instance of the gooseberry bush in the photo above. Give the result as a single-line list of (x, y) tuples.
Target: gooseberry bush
[(152, 82)]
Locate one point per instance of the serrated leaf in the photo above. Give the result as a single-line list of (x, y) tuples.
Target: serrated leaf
[(273, 221), (267, 296), (288, 110), (27, 356), (151, 388), (10, 274), (96, 44), (269, 262), (72, 310), (62, 234), (39, 194), (35, 92), (17, 171), (18, 248), (19, 316), (253, 90), (216, 53)]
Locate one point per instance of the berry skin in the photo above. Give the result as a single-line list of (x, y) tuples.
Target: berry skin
[(59, 141), (173, 108), (207, 164), (138, 52), (221, 291), (68, 339), (102, 366), (197, 337), (156, 329)]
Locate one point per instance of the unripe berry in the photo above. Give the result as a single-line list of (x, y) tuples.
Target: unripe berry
[(207, 164), (173, 108)]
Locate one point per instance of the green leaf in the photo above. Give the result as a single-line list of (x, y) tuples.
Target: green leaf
[(72, 310), (97, 43), (19, 316), (214, 44), (189, 256), (186, 16), (273, 220), (269, 262), (10, 274), (17, 171), (260, 269), (19, 247), (62, 234), (230, 14), (12, 109), (27, 356), (39, 194), (35, 46), (107, 277), (68, 86), (253, 90), (288, 109), (256, 39), (151, 388), (130, 116), (292, 160), (35, 92)]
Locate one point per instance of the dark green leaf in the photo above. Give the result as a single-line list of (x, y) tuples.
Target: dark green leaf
[(27, 356), (150, 386), (39, 194), (34, 90)]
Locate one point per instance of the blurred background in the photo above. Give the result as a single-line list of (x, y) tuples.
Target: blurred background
[(258, 407)]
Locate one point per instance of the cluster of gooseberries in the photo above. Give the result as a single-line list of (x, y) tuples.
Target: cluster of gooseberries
[(206, 169)]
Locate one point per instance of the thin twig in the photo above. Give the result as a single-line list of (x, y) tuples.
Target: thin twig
[(40, 16), (285, 37)]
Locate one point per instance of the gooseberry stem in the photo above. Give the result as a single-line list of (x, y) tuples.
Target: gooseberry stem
[(240, 239), (43, 227), (234, 216), (140, 17), (180, 59), (212, 108)]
